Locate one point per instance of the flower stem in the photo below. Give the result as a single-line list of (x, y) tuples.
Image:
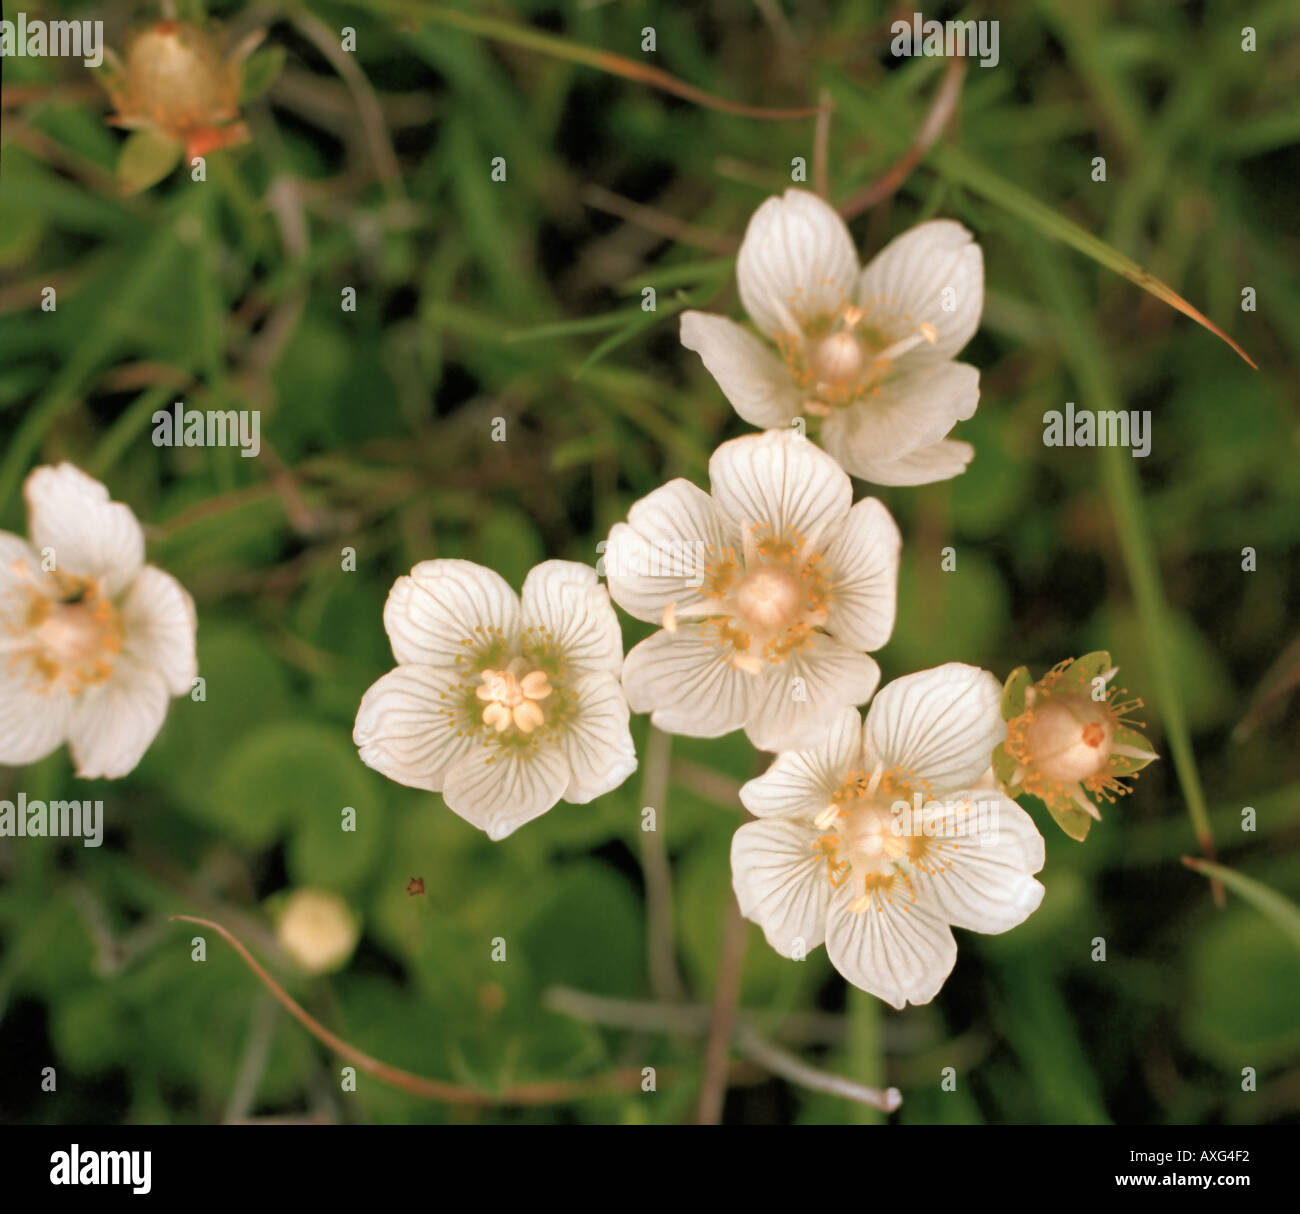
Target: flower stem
[(713, 1090), (866, 1052)]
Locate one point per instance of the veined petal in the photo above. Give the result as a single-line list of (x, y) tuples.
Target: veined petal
[(907, 284), (942, 724), (863, 558), (800, 783), (567, 611), (20, 567), (432, 614), (661, 554), (596, 741), (914, 408), (804, 693), (940, 461), (796, 262), (900, 956), (779, 480), (113, 723), (90, 535), (32, 723), (986, 882), (687, 685), (413, 724), (752, 377), (159, 622), (498, 789), (781, 884)]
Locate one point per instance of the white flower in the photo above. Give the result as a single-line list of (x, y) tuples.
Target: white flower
[(93, 642), (770, 591), (881, 837), (317, 930), (504, 707), (869, 351)]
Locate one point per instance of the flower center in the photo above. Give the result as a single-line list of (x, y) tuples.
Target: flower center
[(764, 604), (512, 697), (770, 599), (1070, 737), (840, 358), (69, 636)]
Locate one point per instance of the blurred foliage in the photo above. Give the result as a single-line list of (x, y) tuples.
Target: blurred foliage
[(522, 300)]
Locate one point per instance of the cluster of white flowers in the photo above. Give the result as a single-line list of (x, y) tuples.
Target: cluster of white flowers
[(770, 590)]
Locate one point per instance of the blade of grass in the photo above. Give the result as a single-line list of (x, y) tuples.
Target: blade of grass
[(1119, 476), (959, 167), (1267, 901), (574, 52)]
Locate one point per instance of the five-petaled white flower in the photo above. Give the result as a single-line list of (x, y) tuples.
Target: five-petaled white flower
[(888, 832), (93, 642), (504, 707), (769, 592), (868, 351)]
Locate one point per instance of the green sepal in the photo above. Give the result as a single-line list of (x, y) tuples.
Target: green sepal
[(1122, 765), (1013, 692), (1073, 821), (146, 158), (1004, 768)]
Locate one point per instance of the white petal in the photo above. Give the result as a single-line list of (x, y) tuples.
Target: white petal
[(796, 262), (113, 723), (596, 741), (661, 554), (940, 461), (941, 724), (778, 479), (898, 955), (566, 611), (802, 695), (32, 723), (498, 789), (91, 536), (20, 567), (430, 615), (686, 685), (159, 621), (906, 283), (800, 783), (914, 408), (863, 561), (754, 379), (414, 723), (985, 883), (781, 884)]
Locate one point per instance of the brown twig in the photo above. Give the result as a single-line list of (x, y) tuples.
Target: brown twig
[(941, 112), (654, 220)]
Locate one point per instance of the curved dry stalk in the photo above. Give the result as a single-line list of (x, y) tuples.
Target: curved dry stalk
[(557, 1091)]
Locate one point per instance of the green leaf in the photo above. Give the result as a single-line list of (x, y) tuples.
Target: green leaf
[(260, 72), (146, 158)]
